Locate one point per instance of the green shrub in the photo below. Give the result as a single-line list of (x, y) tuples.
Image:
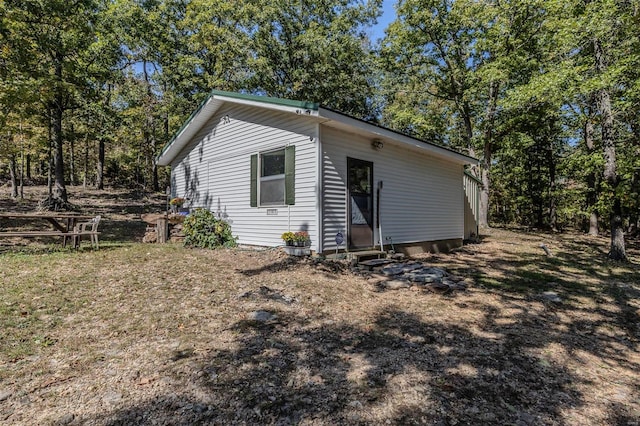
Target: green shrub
[(202, 229)]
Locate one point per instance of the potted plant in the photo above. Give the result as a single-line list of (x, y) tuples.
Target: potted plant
[(297, 243), (176, 203), (289, 238), (301, 239)]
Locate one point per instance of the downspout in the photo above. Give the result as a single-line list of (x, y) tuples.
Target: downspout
[(288, 205), (379, 216), (477, 210), (319, 189)]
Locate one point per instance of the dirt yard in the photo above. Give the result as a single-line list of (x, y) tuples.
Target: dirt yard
[(162, 335)]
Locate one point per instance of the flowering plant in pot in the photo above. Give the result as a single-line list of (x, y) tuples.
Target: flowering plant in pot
[(301, 239), (289, 238), (177, 201), (297, 239), (297, 243)]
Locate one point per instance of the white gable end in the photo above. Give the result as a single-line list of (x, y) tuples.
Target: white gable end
[(213, 171)]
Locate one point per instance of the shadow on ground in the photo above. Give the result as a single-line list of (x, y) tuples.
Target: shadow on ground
[(404, 369), (401, 370)]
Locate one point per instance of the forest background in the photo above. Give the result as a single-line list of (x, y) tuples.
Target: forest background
[(545, 93)]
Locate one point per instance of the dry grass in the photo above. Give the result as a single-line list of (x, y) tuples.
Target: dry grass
[(159, 334)]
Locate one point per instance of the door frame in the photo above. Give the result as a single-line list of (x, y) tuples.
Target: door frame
[(350, 162)]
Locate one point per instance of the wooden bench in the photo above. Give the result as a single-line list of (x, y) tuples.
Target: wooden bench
[(88, 228), (75, 236), (27, 234)]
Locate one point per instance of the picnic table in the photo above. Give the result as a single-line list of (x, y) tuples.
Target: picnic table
[(63, 224)]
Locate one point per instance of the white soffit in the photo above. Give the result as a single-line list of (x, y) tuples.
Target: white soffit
[(353, 125)]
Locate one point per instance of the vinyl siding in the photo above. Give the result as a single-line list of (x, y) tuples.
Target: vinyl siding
[(471, 206), (422, 197), (213, 171)]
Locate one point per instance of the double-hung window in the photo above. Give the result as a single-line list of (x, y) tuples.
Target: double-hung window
[(272, 177)]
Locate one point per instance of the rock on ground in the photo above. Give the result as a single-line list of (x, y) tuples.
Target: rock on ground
[(261, 316)]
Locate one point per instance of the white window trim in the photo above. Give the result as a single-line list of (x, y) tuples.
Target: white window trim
[(272, 177), (269, 178)]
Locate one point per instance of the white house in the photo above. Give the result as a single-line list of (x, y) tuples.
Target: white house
[(272, 165)]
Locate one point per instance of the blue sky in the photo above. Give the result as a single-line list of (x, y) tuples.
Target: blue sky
[(388, 15)]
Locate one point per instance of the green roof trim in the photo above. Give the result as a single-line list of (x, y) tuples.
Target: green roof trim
[(254, 98)]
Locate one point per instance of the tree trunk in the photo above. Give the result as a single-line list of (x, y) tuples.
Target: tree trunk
[(50, 155), (539, 198), (101, 148), (85, 171), (551, 163), (593, 224), (150, 132), (100, 165), (592, 194), (72, 160), (634, 215), (483, 214), (21, 166), (13, 174), (617, 251), (468, 126), (59, 188), (154, 165), (150, 149), (28, 166), (156, 182)]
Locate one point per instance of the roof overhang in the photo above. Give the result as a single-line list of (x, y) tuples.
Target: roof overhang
[(328, 117), (344, 122), (212, 104)]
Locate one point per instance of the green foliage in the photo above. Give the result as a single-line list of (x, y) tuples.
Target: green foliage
[(528, 174), (315, 51), (125, 74), (429, 64), (202, 229), (57, 55)]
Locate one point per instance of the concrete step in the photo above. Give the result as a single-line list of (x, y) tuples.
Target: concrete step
[(360, 256)]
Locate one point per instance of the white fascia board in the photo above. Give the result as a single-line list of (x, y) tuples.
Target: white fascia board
[(399, 138), (268, 105)]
